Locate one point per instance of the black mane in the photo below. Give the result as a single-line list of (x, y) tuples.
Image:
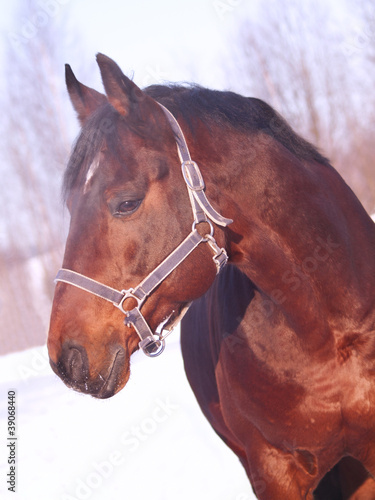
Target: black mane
[(191, 102), (242, 113)]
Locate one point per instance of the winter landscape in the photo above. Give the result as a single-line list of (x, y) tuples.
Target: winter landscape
[(149, 441)]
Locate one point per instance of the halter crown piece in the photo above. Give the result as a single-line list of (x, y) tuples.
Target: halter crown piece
[(153, 345)]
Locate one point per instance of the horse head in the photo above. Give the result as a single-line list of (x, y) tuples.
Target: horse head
[(130, 210)]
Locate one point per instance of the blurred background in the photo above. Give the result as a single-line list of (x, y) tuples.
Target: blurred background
[(314, 61)]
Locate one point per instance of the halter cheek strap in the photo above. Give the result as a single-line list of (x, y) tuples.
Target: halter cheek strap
[(202, 212), (194, 181)]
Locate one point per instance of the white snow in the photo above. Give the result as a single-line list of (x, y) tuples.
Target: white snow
[(149, 441)]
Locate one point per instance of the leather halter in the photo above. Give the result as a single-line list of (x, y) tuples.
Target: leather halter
[(203, 211)]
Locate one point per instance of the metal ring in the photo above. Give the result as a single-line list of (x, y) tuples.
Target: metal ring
[(159, 350), (194, 226)]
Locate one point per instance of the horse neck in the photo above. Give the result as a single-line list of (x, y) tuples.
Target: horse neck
[(299, 234)]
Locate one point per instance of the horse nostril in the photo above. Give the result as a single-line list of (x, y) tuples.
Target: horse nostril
[(73, 364)]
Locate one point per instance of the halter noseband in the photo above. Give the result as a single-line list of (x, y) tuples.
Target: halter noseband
[(203, 211)]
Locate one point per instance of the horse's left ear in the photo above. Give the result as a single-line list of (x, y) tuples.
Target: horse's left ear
[(122, 93), (84, 99)]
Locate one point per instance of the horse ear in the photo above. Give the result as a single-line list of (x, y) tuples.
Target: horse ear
[(85, 100), (122, 93)]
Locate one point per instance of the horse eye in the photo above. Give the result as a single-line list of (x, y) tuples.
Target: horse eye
[(128, 207)]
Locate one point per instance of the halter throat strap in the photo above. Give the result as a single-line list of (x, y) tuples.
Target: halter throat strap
[(202, 212)]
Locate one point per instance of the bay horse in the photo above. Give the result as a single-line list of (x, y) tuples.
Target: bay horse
[(165, 186)]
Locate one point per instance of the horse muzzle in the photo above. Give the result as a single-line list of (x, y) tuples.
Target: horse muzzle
[(73, 368)]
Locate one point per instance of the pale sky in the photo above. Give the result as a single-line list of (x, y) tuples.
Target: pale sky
[(162, 40)]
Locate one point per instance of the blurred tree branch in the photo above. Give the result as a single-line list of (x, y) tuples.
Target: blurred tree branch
[(295, 57), (36, 139)]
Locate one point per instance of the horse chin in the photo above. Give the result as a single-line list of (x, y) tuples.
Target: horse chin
[(73, 369)]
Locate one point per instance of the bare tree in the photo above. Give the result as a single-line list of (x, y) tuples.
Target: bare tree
[(361, 49), (36, 141), (297, 57)]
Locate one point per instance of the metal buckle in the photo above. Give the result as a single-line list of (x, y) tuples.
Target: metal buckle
[(192, 176), (221, 257), (150, 344), (152, 347)]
